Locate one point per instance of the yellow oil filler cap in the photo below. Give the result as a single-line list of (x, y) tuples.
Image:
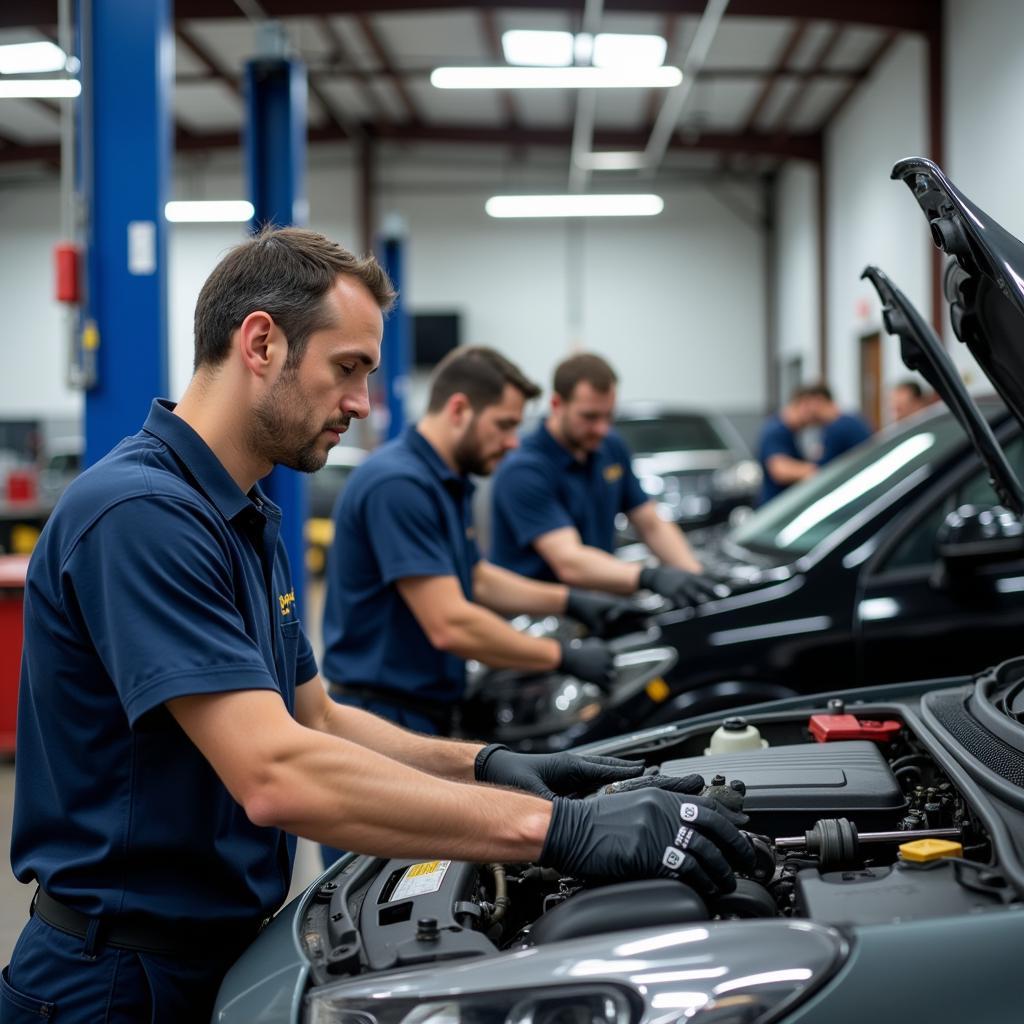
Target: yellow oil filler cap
[(921, 851)]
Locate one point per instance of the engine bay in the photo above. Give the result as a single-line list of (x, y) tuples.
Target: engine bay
[(853, 821)]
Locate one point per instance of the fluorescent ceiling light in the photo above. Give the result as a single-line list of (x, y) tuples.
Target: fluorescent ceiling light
[(613, 50), (541, 49), (555, 78), (40, 89), (609, 160), (209, 211), (30, 58), (575, 206)]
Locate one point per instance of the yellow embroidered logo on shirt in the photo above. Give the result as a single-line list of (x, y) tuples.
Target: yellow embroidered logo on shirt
[(613, 472), (286, 601)]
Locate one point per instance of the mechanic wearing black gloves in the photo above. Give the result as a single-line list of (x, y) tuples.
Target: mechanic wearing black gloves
[(604, 614), (651, 826), (555, 500), (684, 589)]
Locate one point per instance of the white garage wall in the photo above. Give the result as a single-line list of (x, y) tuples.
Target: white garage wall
[(676, 302), (984, 145), (872, 219), (797, 311)]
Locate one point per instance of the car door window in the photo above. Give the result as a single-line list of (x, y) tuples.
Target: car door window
[(917, 548)]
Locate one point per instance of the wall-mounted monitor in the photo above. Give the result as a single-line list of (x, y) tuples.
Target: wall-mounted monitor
[(434, 335)]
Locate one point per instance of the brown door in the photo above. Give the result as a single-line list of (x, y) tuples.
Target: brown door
[(871, 379)]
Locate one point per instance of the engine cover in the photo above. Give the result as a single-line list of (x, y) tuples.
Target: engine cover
[(790, 787)]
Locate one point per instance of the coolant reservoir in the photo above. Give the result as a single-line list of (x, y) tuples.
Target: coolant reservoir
[(735, 734)]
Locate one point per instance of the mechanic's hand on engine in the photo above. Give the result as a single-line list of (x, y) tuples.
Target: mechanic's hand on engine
[(604, 613), (648, 834), (690, 784), (549, 775), (589, 660), (683, 589)]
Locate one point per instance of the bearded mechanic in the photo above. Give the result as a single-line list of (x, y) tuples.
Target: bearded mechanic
[(173, 732), (555, 500)]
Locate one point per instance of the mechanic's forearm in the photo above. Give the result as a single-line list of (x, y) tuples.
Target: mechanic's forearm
[(508, 593), (784, 469), (472, 631), (669, 544), (353, 798), (450, 759), (595, 569)]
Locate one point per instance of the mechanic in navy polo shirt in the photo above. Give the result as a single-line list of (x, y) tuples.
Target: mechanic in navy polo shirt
[(409, 598), (173, 729), (782, 459), (840, 431), (555, 499)]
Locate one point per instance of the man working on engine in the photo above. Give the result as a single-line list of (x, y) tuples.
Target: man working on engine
[(173, 732), (555, 500)]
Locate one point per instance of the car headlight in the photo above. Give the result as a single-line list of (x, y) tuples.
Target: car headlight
[(749, 971), (742, 478), (568, 1005)]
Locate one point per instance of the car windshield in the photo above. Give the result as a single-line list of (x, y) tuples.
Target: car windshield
[(801, 517), (678, 432)]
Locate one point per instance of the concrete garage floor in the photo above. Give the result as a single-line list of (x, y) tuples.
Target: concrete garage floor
[(15, 897)]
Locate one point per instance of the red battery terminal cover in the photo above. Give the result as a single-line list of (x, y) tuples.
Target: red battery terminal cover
[(826, 728)]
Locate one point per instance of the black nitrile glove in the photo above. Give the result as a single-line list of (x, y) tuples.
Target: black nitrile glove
[(602, 613), (648, 834), (683, 589), (589, 660), (688, 784), (549, 775)]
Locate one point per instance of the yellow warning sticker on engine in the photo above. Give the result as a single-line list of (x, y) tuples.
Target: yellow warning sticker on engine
[(420, 879)]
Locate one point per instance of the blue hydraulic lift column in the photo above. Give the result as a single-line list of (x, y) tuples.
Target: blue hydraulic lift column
[(275, 150), (127, 52), (395, 354)]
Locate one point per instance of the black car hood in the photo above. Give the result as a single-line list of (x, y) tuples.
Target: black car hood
[(922, 351), (984, 283)]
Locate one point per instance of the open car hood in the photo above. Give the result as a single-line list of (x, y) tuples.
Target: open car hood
[(984, 283), (923, 352)]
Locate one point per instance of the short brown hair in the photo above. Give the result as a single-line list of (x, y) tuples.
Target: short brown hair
[(812, 391), (585, 367), (480, 374), (285, 272)]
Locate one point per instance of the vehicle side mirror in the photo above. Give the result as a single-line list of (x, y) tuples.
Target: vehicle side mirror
[(975, 536)]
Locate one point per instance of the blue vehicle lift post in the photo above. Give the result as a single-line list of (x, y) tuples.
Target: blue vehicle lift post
[(127, 52), (275, 150), (395, 355)]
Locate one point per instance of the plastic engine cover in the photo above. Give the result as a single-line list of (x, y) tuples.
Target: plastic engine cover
[(790, 787)]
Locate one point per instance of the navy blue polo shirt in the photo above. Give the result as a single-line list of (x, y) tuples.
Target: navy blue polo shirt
[(542, 487), (403, 513), (155, 577), (846, 431), (776, 439)]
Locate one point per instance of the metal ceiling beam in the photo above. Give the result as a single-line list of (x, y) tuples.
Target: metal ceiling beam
[(203, 55), (877, 54), (670, 30), (492, 37), (340, 54), (786, 115), (906, 15), (797, 147), (775, 75), (382, 55)]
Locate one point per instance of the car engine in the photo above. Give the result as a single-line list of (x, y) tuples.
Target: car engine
[(853, 821)]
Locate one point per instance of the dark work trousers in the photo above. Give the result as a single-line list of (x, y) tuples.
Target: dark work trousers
[(400, 716), (56, 976)]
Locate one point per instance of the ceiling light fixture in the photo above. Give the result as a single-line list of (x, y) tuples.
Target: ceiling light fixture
[(537, 49), (40, 89), (575, 206), (208, 211), (31, 58), (612, 160), (616, 50), (555, 78)]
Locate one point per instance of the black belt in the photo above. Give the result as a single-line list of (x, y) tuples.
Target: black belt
[(160, 938), (442, 713)]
